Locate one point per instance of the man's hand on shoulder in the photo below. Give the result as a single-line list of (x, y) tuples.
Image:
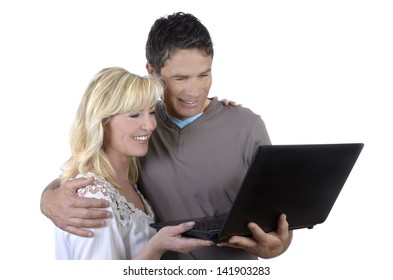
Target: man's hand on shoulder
[(70, 212)]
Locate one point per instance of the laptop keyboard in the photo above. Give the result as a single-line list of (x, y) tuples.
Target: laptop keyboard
[(211, 224)]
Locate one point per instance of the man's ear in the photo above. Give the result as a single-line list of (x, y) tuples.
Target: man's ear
[(150, 69)]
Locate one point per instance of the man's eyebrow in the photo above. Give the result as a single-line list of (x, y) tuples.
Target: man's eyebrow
[(179, 76), (182, 75), (207, 71)]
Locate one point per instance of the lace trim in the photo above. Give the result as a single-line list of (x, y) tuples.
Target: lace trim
[(122, 208)]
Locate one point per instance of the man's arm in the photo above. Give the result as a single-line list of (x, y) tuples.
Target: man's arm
[(72, 213), (262, 244)]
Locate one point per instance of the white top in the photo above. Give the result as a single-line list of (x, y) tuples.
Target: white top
[(123, 236)]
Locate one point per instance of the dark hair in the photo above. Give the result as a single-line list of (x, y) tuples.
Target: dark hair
[(173, 33)]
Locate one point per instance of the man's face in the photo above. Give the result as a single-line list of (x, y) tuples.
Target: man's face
[(188, 79)]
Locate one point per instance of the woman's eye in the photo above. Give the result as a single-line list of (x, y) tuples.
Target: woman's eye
[(133, 116), (153, 113)]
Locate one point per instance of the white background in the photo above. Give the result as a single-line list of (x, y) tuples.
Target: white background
[(316, 71)]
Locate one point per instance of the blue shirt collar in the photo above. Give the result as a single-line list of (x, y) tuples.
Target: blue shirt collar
[(183, 123)]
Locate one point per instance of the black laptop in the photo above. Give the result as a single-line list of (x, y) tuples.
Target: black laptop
[(302, 181)]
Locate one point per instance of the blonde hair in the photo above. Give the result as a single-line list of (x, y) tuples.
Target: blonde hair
[(112, 91)]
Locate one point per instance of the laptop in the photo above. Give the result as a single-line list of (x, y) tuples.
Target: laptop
[(302, 181)]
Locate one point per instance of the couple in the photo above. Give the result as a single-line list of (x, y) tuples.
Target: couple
[(196, 159)]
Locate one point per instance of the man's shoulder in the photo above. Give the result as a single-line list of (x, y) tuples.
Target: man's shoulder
[(236, 111)]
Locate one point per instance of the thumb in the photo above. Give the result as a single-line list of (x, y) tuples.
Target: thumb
[(185, 226)]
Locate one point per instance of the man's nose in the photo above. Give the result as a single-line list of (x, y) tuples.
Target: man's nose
[(192, 86)]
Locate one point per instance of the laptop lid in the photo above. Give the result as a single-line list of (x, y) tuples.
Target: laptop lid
[(301, 181)]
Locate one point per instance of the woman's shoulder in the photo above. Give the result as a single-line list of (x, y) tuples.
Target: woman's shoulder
[(101, 188)]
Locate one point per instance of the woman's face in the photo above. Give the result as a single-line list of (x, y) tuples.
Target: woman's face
[(127, 135)]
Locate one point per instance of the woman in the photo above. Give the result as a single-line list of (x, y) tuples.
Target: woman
[(112, 127)]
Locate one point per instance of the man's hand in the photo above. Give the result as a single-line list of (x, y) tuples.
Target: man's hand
[(262, 244), (70, 212)]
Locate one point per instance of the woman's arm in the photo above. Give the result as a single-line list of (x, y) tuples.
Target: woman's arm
[(170, 238)]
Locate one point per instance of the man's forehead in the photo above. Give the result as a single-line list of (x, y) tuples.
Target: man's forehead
[(187, 63)]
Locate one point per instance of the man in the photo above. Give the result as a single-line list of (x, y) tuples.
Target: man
[(198, 154)]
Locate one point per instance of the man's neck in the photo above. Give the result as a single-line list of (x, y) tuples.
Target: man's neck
[(183, 123)]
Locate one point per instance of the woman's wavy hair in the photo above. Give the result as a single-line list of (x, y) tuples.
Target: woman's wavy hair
[(112, 91)]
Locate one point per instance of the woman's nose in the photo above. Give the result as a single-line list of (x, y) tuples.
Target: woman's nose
[(149, 123)]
